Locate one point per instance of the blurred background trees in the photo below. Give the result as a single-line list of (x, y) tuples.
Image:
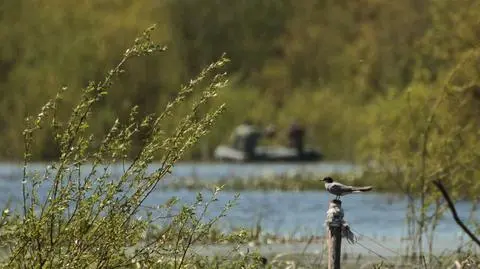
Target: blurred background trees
[(363, 76)]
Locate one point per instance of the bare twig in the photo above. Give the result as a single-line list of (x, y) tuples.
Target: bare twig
[(440, 186)]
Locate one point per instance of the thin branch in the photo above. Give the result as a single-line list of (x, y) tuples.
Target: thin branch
[(440, 186)]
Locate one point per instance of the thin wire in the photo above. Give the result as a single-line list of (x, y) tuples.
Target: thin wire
[(372, 251), (378, 243)]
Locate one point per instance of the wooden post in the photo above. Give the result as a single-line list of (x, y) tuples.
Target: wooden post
[(334, 233)]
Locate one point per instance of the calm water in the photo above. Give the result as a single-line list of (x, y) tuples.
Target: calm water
[(285, 213)]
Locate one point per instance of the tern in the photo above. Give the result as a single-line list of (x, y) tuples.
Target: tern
[(339, 189)]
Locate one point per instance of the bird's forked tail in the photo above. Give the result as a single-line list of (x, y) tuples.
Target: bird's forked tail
[(362, 189)]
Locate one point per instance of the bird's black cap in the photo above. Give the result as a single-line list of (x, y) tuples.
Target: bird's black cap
[(328, 179)]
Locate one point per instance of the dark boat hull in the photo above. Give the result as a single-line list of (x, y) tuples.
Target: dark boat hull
[(267, 154)]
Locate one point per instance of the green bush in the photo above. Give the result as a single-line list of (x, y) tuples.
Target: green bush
[(89, 219)]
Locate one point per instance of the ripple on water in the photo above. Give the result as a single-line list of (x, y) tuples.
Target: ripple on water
[(284, 213)]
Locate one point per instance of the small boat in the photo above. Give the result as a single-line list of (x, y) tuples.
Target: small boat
[(267, 154)]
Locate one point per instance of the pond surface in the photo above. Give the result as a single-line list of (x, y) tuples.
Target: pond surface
[(381, 216)]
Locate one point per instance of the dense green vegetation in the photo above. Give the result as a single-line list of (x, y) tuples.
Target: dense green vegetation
[(337, 65)]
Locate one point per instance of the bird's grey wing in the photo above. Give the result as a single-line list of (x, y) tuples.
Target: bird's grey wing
[(338, 188)]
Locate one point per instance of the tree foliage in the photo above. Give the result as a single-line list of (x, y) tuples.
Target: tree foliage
[(326, 62)]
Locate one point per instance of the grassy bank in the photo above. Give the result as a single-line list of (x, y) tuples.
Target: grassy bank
[(287, 182)]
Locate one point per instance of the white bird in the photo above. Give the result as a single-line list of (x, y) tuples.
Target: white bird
[(338, 189)]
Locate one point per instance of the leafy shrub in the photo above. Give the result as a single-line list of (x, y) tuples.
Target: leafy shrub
[(88, 219)]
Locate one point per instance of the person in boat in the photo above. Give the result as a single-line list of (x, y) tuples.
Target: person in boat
[(296, 137), (246, 137), (270, 131)]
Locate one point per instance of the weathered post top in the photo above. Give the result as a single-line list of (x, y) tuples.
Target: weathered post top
[(335, 214)]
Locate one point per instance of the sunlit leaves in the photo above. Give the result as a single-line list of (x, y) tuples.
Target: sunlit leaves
[(90, 219)]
